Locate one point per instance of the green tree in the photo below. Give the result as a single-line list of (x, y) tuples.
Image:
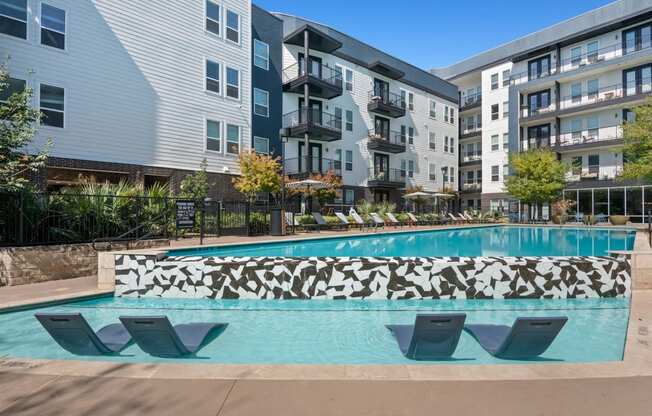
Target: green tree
[(195, 186), (638, 144), (16, 133), (536, 176), (258, 173)]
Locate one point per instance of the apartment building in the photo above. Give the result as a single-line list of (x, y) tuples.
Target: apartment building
[(380, 123), (135, 92), (569, 88)]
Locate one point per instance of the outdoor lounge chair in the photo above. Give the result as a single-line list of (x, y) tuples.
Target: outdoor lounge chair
[(73, 333), (455, 219), (378, 221), (345, 221), (322, 223), (156, 336), (293, 222), (431, 337), (392, 220), (415, 220), (358, 219), (527, 338)]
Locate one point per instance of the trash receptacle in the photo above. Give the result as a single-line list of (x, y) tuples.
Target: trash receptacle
[(276, 221)]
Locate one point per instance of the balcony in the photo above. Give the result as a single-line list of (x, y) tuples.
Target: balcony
[(319, 125), (538, 113), (386, 103), (471, 159), (386, 178), (584, 60), (386, 141), (569, 142), (605, 96), (323, 81), (303, 167), (470, 131), (471, 101), (471, 188)]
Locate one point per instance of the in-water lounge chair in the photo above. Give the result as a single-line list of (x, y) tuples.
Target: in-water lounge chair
[(527, 338), (156, 336), (73, 333), (431, 337)]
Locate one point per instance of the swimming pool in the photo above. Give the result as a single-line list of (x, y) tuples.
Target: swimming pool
[(492, 241), (328, 331)]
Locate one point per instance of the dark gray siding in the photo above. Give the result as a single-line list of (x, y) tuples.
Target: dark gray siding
[(269, 29)]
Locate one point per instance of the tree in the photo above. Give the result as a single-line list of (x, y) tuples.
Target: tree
[(323, 195), (536, 176), (258, 173), (17, 130), (638, 144), (195, 186)]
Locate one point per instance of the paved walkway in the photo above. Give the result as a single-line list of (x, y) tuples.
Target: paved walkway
[(11, 296)]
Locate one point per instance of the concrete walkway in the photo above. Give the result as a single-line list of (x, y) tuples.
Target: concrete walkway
[(12, 296)]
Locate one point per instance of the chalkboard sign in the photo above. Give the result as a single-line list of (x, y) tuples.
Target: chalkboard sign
[(185, 214)]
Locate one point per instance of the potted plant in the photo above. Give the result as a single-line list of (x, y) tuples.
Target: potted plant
[(618, 219), (590, 220), (560, 211)]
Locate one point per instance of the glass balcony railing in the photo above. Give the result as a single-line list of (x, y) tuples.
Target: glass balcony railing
[(471, 99)]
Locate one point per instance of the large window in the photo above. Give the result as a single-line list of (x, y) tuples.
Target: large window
[(638, 80), (261, 102), (576, 92), (576, 129), (506, 74), (232, 26), (494, 81), (537, 101), (539, 68), (505, 109), (495, 145), (13, 18), (593, 127), (213, 136), (212, 76), (637, 38), (601, 201), (592, 89), (349, 120), (576, 56), (634, 200), (432, 140), (261, 145), (52, 100), (592, 51), (576, 165), (232, 139), (348, 79), (53, 26), (594, 164), (14, 86), (261, 54), (495, 173), (495, 112), (213, 17), (232, 83), (538, 136)]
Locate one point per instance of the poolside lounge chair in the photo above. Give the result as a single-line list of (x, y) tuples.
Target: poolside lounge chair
[(293, 222), (72, 332), (415, 220), (392, 220), (455, 219), (431, 337), (345, 221), (156, 336), (378, 221), (322, 223), (358, 220), (527, 338)]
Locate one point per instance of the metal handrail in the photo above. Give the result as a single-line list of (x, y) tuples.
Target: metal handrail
[(387, 98), (326, 73), (387, 175), (394, 136), (311, 164), (309, 115)]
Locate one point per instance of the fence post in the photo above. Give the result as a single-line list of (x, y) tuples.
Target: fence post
[(21, 224), (248, 217), (201, 223), (219, 218), (649, 228), (165, 218)]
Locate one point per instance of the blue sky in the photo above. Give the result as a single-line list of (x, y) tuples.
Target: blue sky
[(434, 33)]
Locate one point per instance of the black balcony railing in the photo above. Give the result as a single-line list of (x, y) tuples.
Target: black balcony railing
[(313, 117), (323, 72), (387, 98), (387, 136), (377, 174), (308, 165)]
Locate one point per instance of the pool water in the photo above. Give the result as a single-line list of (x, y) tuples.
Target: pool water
[(329, 331), (492, 241)]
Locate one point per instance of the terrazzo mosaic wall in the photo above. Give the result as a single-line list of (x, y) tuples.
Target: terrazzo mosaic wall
[(372, 278)]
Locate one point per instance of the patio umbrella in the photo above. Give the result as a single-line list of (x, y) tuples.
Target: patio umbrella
[(307, 184)]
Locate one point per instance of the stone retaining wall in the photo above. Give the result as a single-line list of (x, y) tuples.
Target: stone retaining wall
[(23, 265)]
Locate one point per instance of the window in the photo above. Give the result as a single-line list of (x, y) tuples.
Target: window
[(452, 144), (452, 118), (213, 17), (349, 120), (432, 140), (470, 123), (576, 92), (506, 74), (411, 135), (261, 102), (403, 99), (505, 141), (338, 118), (52, 101), (538, 101), (592, 89), (410, 101), (444, 172), (232, 83), (446, 114), (494, 112), (592, 51), (638, 80), (349, 160), (505, 171), (576, 165), (628, 116), (432, 172), (495, 145), (637, 38), (403, 134), (445, 144), (261, 145), (495, 174), (232, 26), (433, 109), (539, 68), (232, 139), (592, 125), (261, 54), (14, 86), (494, 81), (411, 168), (470, 177), (594, 164), (213, 136), (13, 18), (338, 159), (53, 26), (576, 129), (349, 196), (505, 109), (576, 56), (348, 79), (212, 76), (452, 170)]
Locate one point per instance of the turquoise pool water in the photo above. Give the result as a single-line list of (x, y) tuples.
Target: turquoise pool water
[(329, 331), (499, 241)]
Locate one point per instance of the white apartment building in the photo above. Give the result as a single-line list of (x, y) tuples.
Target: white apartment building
[(134, 91), (383, 125), (568, 87)]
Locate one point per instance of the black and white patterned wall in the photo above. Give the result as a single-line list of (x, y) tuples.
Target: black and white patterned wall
[(372, 278)]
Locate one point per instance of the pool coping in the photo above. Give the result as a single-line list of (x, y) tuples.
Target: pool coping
[(637, 362)]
